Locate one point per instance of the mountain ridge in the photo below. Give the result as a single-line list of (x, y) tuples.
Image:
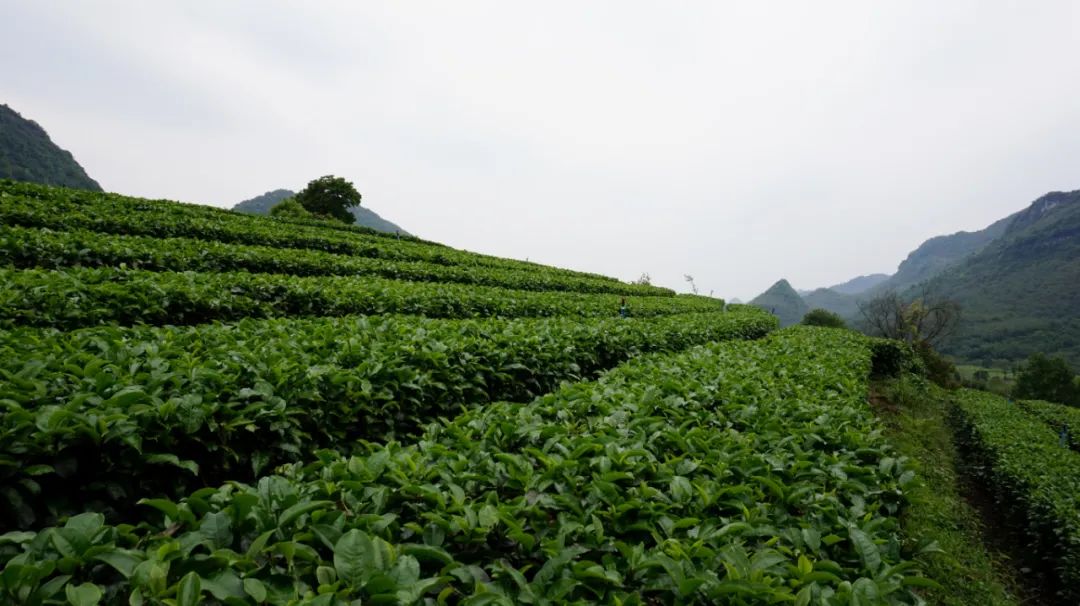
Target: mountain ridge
[(27, 153)]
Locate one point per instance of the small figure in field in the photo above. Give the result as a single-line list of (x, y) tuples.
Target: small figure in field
[(624, 311), (1063, 437)]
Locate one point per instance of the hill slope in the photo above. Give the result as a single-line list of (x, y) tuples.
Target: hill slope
[(938, 254), (844, 305), (261, 205), (28, 154), (782, 301), (1020, 294), (859, 285)]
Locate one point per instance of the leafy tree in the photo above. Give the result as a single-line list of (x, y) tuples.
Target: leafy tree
[(289, 208), (1045, 378), (330, 196), (823, 317)]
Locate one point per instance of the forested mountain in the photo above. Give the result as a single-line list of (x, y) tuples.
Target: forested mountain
[(28, 154), (782, 301), (939, 254), (261, 205), (1021, 293), (1017, 282)]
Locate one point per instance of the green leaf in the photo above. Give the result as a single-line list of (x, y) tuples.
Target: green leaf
[(217, 528), (122, 560), (355, 558), (866, 548), (86, 594), (189, 590), (255, 588), (294, 512)]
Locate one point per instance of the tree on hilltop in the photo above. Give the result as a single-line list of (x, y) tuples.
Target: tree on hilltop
[(330, 196)]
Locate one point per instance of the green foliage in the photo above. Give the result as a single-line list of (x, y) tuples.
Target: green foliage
[(1019, 293), (694, 478), (96, 418), (63, 209), (892, 358), (1032, 477), (44, 298), (260, 205), (938, 368), (289, 208), (1045, 378), (1057, 417), (33, 247), (27, 154), (330, 196), (822, 317), (968, 572)]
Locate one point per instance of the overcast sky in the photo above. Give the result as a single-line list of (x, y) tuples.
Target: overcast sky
[(736, 142)]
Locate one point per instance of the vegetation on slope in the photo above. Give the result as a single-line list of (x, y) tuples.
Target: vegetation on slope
[(968, 570), (28, 154), (76, 297), (65, 209), (1019, 294), (1033, 479), (734, 473)]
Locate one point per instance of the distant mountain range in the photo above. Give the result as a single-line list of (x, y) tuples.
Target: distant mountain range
[(28, 154), (1017, 281), (261, 205)]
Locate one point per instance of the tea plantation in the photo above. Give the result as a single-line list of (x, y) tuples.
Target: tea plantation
[(199, 406)]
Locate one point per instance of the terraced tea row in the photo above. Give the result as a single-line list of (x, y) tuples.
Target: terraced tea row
[(93, 417), (78, 297), (1033, 479), (23, 247), (64, 209), (1057, 417), (748, 472)]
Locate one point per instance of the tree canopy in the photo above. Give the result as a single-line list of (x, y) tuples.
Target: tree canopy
[(1046, 378), (823, 317), (330, 196)]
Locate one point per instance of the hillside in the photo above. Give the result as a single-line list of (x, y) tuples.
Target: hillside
[(782, 301), (261, 205), (1020, 294), (939, 254), (858, 285), (28, 154), (844, 305), (244, 410)]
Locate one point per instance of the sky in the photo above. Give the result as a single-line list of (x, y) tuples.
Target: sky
[(735, 142)]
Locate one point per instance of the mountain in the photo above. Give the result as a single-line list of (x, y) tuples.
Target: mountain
[(782, 301), (261, 205), (858, 285), (28, 154), (844, 305), (929, 260), (1020, 294), (939, 254)]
